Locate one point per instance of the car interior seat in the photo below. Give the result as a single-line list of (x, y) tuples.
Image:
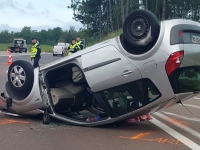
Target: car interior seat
[(120, 104), (77, 75), (66, 90)]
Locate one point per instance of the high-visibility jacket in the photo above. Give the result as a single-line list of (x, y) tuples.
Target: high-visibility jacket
[(80, 44), (74, 48), (34, 50)]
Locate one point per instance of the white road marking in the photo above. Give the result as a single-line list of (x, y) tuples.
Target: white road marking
[(182, 117), (189, 143), (181, 126), (189, 105), (196, 98)]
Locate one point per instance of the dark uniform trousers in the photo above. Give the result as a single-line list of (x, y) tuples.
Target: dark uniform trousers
[(36, 62)]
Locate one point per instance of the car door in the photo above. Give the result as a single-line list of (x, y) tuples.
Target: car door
[(106, 67)]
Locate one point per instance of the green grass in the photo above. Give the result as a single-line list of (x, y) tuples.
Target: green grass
[(109, 36), (112, 35), (46, 48)]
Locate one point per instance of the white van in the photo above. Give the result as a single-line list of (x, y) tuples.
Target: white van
[(60, 49)]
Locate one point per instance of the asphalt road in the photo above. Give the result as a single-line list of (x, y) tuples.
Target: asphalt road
[(171, 129)]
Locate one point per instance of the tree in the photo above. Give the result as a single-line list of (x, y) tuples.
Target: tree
[(163, 10), (127, 7), (100, 17), (122, 11), (56, 32), (26, 34), (110, 14)]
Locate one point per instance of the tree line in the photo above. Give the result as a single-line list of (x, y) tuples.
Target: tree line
[(104, 16), (101, 17), (48, 37)]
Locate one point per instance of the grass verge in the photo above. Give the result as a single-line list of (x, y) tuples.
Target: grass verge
[(109, 36)]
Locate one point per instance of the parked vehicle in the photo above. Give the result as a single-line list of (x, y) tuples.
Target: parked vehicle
[(147, 68), (60, 49), (63, 44), (19, 46)]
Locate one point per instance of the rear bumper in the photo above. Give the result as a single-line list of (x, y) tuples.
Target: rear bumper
[(57, 52)]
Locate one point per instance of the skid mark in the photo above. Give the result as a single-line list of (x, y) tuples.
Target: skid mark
[(178, 122), (11, 121)]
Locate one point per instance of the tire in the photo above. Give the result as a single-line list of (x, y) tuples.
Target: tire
[(141, 29), (23, 72)]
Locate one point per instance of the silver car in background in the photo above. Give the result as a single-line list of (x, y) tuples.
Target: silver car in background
[(147, 68), (60, 49)]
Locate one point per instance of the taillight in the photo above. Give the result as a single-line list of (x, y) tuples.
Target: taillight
[(174, 62), (180, 34)]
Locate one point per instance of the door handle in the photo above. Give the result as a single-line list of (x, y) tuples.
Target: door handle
[(127, 72)]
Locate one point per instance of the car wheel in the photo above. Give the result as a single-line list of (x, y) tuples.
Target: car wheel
[(21, 76), (141, 29)]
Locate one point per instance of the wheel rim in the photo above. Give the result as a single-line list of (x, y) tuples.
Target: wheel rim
[(139, 27), (17, 76)]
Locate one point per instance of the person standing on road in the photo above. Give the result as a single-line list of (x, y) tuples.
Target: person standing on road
[(79, 42), (35, 52), (74, 47)]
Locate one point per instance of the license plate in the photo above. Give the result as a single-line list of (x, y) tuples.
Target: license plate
[(196, 39)]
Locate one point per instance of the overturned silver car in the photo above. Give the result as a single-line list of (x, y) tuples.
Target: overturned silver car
[(147, 68)]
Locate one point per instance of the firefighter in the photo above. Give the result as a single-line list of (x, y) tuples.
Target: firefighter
[(79, 42), (35, 52), (73, 48)]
